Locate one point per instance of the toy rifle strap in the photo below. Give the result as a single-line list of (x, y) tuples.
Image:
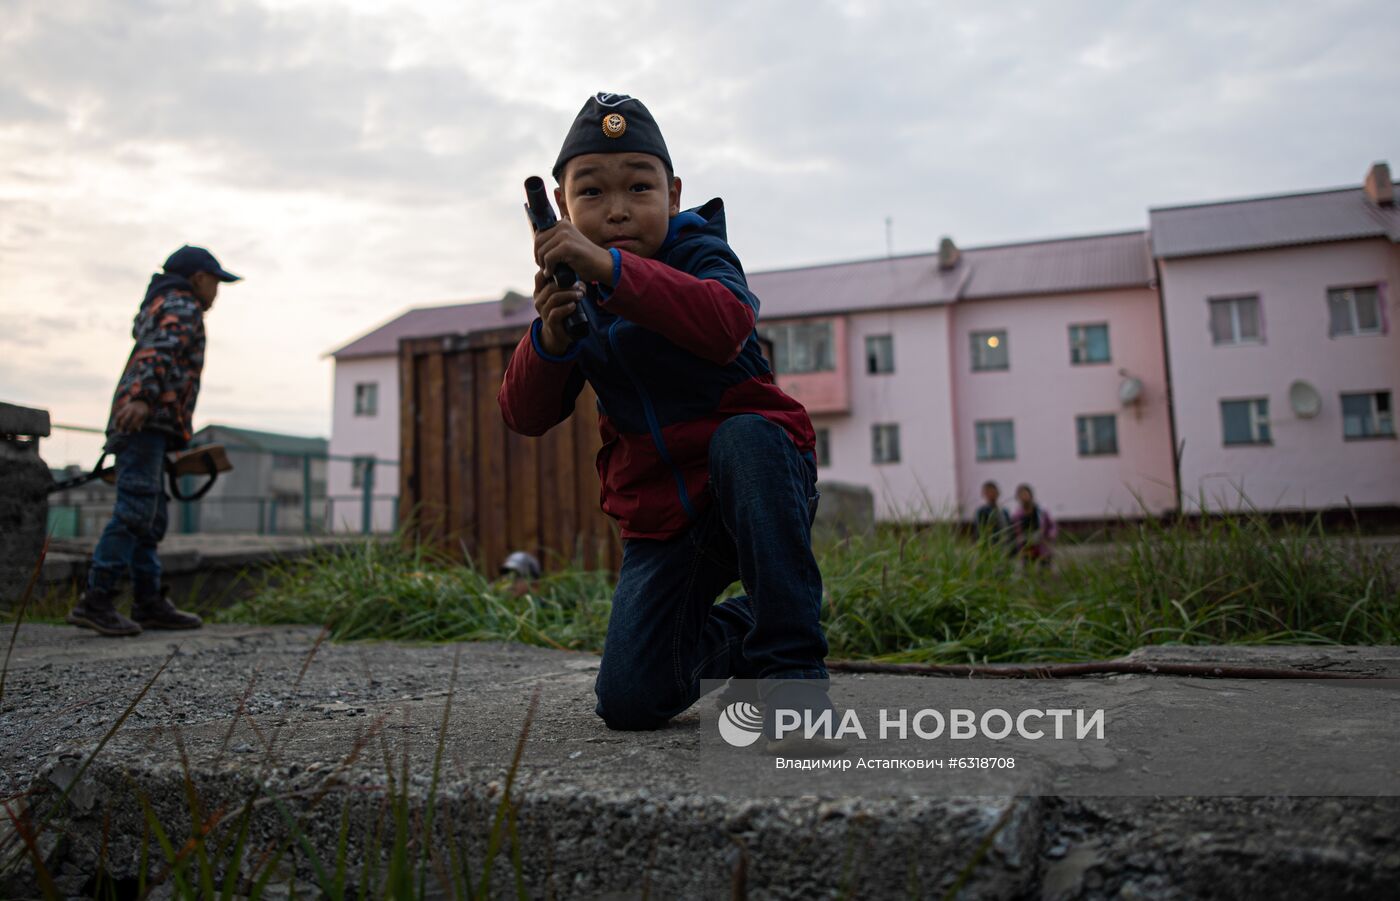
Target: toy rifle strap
[(206, 460)]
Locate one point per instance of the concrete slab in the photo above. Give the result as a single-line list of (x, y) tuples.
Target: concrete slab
[(205, 570), (610, 814)]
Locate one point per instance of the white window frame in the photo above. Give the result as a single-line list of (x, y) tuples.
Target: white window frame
[(1379, 424), (1349, 294), (884, 441), (981, 429), (878, 362), (1236, 339), (1078, 339), (362, 391), (1258, 419), (978, 342), (1084, 435)]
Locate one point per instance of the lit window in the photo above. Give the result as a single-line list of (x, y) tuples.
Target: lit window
[(1368, 415), (989, 351), (886, 443), (366, 398), (1098, 435), (1234, 320), (996, 440), (1354, 311), (879, 354), (1088, 344), (1245, 421)]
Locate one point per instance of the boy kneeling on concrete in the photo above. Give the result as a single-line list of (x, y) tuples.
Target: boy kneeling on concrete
[(708, 467)]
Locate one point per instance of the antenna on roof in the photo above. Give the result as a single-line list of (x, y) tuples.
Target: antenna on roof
[(889, 236)]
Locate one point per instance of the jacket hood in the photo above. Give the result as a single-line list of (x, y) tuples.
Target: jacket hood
[(707, 219), (162, 282)]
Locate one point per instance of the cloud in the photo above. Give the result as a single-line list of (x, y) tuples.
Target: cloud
[(353, 159)]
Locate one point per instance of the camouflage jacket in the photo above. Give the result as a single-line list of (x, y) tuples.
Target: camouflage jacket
[(164, 367)]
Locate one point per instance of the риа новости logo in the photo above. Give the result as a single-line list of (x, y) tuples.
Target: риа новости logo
[(740, 724)]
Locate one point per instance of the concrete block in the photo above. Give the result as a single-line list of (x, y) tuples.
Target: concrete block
[(24, 421)]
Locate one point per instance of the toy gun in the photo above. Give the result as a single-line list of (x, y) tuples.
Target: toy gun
[(204, 460), (542, 218)]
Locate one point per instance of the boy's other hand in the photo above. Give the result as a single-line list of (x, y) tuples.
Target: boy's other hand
[(564, 243), (132, 416), (554, 304)]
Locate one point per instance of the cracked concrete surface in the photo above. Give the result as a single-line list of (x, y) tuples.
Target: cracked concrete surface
[(610, 814)]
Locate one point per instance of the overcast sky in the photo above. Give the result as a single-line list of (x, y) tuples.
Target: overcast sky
[(355, 159)]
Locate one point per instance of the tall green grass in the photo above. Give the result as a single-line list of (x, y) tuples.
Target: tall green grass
[(926, 594)]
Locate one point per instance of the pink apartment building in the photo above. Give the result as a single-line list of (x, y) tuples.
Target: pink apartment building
[(1236, 350), (927, 375), (1280, 317)]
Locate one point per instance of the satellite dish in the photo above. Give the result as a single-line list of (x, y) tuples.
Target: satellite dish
[(1304, 399), (1130, 390)]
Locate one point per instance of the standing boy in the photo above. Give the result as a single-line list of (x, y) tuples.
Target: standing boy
[(152, 412), (708, 467), (993, 525)]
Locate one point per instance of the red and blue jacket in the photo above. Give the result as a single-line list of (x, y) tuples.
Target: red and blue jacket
[(671, 354)]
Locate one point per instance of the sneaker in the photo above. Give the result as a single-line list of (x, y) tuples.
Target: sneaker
[(97, 610), (156, 612), (800, 694)]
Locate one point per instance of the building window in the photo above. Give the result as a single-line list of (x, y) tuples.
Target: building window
[(989, 351), (802, 347), (886, 443), (360, 467), (1235, 320), (996, 440), (1088, 344), (1098, 435), (1245, 421), (1354, 311), (367, 399), (286, 461), (879, 354), (1368, 415), (823, 452)]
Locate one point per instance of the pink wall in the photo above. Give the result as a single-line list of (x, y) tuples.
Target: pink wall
[(371, 436), (826, 392), (1308, 464), (917, 396), (1042, 393)]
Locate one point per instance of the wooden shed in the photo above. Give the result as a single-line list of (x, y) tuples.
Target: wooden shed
[(471, 487)]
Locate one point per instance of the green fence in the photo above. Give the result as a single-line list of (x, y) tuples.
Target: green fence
[(276, 490)]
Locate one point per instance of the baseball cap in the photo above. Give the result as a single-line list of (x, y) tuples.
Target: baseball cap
[(188, 260)]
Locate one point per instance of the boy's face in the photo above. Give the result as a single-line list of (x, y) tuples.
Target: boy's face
[(206, 288), (621, 200), (990, 494)]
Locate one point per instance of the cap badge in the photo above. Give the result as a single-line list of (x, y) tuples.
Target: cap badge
[(614, 125)]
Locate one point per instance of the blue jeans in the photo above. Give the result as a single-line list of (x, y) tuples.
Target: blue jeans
[(138, 521), (666, 633)]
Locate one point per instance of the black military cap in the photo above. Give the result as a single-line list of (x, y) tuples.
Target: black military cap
[(612, 123)]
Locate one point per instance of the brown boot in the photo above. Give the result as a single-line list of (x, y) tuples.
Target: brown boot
[(156, 612), (97, 610)]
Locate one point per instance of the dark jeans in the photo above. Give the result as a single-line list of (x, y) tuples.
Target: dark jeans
[(666, 633), (139, 519)]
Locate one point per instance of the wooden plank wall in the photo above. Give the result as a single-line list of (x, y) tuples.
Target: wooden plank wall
[(472, 488)]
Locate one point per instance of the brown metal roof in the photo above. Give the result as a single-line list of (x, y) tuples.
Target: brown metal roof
[(452, 319), (1342, 214), (1090, 263)]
